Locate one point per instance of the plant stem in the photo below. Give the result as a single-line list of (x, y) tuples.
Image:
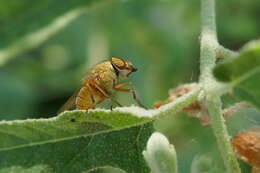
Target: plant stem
[(208, 19), (179, 103), (223, 52), (218, 124), (209, 47), (208, 42)]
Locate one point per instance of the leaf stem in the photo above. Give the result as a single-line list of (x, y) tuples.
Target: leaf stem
[(179, 103), (208, 54), (223, 52)]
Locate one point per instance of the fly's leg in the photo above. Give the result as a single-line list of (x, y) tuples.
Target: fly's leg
[(118, 87), (92, 99), (111, 105), (104, 92), (107, 95), (137, 99)]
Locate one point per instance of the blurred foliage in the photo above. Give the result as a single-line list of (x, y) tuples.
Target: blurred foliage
[(30, 15), (160, 37)]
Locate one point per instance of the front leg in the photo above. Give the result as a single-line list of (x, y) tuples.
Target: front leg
[(118, 87)]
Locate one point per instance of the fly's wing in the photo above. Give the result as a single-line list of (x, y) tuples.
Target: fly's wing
[(70, 102)]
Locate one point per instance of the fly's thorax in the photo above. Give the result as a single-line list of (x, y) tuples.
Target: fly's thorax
[(106, 74), (109, 79)]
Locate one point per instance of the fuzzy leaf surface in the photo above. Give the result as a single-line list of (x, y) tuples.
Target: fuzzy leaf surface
[(75, 141)]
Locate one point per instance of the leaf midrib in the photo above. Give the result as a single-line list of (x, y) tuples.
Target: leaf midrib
[(73, 137)]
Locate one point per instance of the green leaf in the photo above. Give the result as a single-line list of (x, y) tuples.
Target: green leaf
[(26, 24), (75, 141), (242, 72), (18, 18), (31, 39)]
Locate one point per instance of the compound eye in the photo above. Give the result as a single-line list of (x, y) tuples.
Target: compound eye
[(118, 62)]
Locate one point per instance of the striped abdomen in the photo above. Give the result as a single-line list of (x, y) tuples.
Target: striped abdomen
[(88, 97)]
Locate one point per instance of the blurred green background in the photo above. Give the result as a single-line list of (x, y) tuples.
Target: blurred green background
[(161, 37)]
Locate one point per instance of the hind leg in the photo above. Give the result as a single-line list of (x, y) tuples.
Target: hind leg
[(103, 91)]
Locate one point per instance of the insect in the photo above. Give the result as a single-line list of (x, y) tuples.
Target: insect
[(99, 84)]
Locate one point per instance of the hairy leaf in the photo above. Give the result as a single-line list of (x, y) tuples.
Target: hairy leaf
[(243, 73), (75, 141)]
